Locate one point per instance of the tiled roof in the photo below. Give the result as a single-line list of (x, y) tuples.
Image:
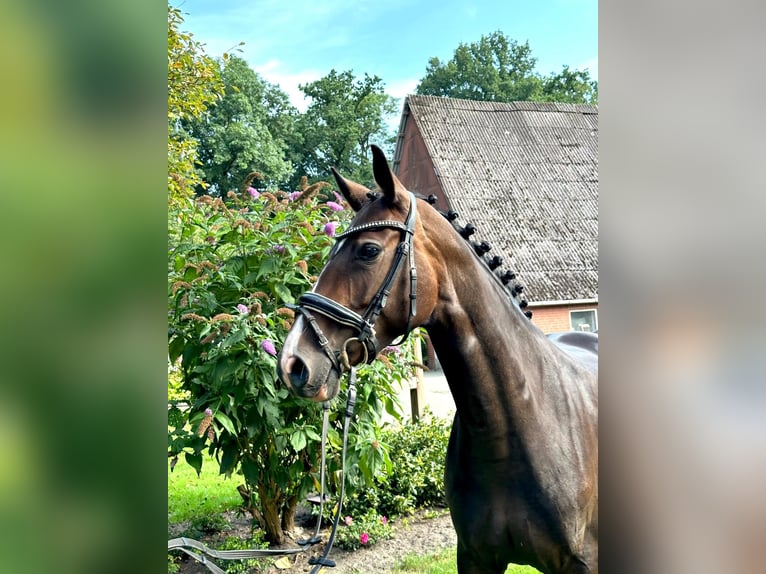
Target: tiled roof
[(526, 175)]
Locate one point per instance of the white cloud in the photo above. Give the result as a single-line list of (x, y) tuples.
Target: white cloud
[(402, 88), (273, 72), (399, 89)]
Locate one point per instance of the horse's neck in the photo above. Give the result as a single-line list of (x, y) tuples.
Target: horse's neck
[(499, 367)]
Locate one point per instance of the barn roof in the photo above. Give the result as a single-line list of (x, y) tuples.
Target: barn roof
[(526, 174)]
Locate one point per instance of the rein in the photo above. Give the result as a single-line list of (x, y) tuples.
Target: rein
[(187, 545)]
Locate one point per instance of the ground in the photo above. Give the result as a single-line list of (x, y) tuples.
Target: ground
[(423, 533)]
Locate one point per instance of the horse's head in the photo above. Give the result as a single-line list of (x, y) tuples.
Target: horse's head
[(376, 287)]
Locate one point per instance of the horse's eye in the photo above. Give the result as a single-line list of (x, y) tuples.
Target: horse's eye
[(368, 251)]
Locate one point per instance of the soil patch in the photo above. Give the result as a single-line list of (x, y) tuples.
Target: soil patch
[(426, 532)]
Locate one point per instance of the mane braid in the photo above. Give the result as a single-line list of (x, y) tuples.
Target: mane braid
[(493, 264)]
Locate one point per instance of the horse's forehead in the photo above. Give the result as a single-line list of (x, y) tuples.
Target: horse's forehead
[(374, 210)]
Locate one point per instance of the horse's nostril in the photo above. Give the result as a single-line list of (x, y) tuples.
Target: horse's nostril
[(299, 373)]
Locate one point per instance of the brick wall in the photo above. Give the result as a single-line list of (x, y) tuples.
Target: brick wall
[(555, 319)]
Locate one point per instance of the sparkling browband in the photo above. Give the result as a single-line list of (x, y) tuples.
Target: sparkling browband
[(385, 223)]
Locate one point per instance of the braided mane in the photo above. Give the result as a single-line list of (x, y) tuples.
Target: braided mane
[(493, 264)]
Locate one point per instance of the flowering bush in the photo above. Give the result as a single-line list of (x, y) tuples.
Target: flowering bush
[(234, 266), (364, 531), (416, 478)]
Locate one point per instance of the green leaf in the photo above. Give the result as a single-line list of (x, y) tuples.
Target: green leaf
[(392, 408), (298, 440), (268, 267), (196, 419), (312, 434), (284, 293), (250, 470), (175, 348), (194, 460), (205, 330), (225, 421), (228, 457), (235, 337)]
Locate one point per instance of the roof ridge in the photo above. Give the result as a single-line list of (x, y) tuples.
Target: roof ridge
[(514, 105)]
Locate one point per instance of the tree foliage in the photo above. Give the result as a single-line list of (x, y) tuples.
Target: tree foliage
[(193, 84), (343, 118), (245, 131), (570, 86), (497, 68)]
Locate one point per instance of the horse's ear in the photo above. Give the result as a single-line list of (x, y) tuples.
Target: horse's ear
[(384, 177), (355, 194)]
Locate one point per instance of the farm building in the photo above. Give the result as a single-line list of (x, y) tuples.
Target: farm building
[(526, 175)]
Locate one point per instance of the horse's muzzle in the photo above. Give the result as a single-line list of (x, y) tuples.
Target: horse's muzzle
[(317, 384), (293, 372)]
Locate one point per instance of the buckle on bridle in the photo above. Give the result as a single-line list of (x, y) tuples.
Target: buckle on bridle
[(343, 355)]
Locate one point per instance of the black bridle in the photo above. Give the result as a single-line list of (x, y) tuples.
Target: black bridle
[(364, 324)]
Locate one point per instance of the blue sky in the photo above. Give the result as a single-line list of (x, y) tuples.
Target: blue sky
[(291, 42)]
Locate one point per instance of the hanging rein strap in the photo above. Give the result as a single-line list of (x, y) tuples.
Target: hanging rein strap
[(350, 402)]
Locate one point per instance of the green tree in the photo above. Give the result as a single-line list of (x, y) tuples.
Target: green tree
[(570, 86), (343, 118), (245, 131), (494, 68), (497, 68), (193, 84)]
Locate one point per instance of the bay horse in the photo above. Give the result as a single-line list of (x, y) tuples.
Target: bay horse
[(521, 470)]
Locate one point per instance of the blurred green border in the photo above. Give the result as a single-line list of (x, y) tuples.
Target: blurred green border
[(83, 295)]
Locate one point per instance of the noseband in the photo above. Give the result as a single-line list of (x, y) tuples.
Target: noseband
[(364, 325)]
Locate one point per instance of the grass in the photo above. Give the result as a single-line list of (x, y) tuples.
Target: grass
[(444, 562), (194, 498)]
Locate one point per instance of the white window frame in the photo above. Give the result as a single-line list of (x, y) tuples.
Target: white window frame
[(594, 328)]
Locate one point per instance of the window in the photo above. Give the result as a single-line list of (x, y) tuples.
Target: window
[(583, 320)]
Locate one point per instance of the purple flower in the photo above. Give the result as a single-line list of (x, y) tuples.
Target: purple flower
[(295, 195), (279, 248), (268, 346), (329, 228), (364, 538), (253, 192), (383, 520), (348, 520), (338, 197), (208, 412), (334, 206), (242, 309), (390, 350)]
